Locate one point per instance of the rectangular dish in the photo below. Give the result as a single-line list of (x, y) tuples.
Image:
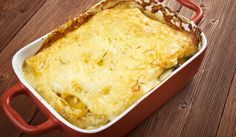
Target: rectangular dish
[(138, 110)]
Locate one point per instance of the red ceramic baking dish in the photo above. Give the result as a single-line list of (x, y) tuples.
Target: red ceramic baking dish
[(134, 114)]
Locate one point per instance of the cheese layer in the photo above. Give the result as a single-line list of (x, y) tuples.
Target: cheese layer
[(97, 71)]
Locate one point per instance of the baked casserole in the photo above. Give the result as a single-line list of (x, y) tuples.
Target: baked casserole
[(94, 71)]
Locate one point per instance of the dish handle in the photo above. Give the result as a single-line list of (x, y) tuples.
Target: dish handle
[(15, 117), (191, 5)]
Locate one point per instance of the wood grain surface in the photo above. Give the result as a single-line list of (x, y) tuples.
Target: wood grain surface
[(14, 14), (206, 107)]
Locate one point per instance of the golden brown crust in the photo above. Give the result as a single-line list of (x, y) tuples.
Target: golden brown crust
[(172, 18), (66, 28), (79, 69)]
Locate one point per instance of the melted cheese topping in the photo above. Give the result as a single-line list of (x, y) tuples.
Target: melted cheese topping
[(96, 72)]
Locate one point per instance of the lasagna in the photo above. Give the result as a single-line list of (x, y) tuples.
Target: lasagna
[(93, 73)]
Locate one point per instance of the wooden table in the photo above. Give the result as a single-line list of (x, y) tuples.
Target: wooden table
[(206, 107)]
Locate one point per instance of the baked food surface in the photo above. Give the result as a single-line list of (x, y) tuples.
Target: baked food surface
[(95, 72)]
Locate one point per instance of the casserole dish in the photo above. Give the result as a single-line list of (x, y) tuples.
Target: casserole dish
[(118, 125)]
